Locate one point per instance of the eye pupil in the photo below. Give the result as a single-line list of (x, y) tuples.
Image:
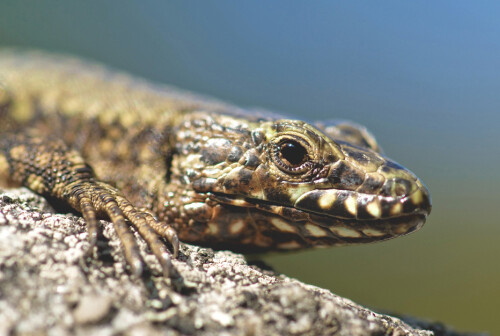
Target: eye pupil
[(293, 152)]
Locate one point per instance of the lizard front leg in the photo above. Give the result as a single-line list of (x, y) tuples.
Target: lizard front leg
[(49, 167)]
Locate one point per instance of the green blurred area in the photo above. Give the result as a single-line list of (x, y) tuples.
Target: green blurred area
[(423, 76)]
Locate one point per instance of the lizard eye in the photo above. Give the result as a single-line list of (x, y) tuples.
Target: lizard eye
[(291, 156), (292, 153)]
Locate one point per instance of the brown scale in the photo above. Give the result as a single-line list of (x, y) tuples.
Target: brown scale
[(174, 165)]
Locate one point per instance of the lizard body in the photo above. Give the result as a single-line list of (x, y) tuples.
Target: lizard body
[(172, 164)]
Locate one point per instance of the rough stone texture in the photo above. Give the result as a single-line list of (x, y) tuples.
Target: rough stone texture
[(49, 286)]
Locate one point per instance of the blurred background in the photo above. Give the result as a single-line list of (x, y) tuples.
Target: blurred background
[(423, 76)]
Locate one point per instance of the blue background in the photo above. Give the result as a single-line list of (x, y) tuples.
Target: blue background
[(423, 76)]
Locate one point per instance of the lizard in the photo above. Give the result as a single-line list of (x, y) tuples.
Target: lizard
[(175, 166)]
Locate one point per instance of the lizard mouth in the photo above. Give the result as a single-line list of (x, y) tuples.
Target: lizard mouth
[(307, 224)]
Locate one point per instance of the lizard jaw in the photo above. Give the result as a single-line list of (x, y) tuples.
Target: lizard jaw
[(294, 228), (348, 204)]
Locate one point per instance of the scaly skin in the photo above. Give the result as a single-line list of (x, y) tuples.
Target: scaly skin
[(175, 165)]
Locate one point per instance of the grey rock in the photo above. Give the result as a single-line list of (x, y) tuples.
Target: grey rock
[(49, 285)]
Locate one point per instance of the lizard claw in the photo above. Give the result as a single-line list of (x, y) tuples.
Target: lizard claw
[(94, 197), (91, 221)]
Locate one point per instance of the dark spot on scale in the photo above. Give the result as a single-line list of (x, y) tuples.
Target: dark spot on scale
[(252, 160), (356, 155), (215, 151), (235, 154), (402, 187), (310, 202), (211, 156), (202, 185), (409, 207), (371, 184), (339, 208), (257, 137), (277, 196), (396, 187), (311, 135), (386, 204), (345, 176), (243, 179), (245, 176)]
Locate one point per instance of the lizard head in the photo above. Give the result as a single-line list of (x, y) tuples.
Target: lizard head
[(286, 184)]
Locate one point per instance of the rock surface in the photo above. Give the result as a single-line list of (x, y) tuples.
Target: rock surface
[(49, 286)]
